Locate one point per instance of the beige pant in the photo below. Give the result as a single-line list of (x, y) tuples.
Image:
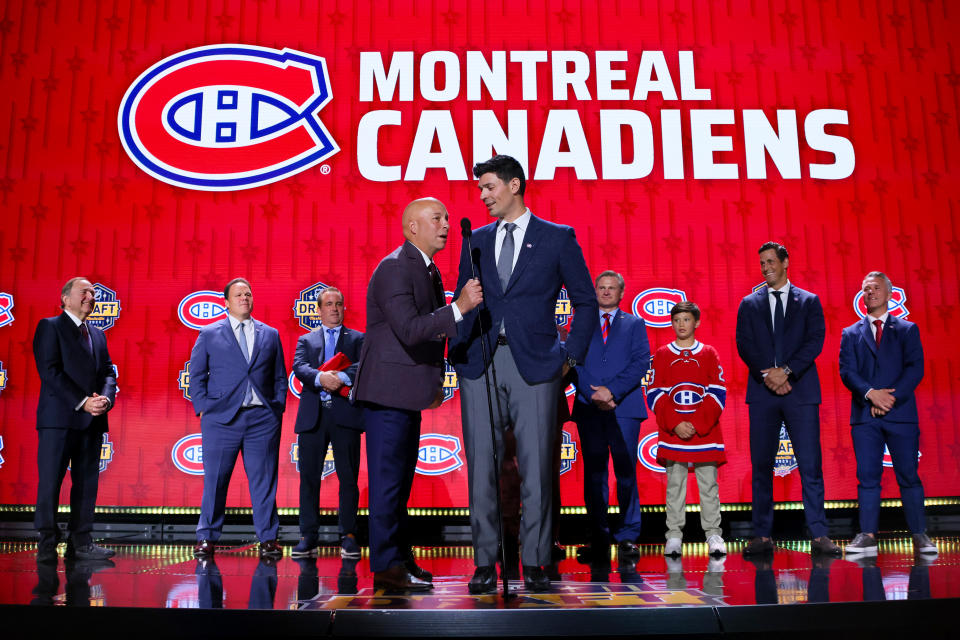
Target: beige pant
[(677, 497)]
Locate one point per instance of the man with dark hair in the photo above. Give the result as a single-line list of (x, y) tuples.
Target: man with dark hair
[(326, 417), (609, 410), (522, 262), (238, 387), (881, 362), (780, 332), (77, 388)]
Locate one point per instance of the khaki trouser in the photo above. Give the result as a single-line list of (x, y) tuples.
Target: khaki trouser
[(677, 497)]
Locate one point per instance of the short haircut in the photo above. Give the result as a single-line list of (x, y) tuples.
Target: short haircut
[(226, 289), (776, 246), (506, 167), (685, 306), (611, 274), (330, 290), (68, 287), (880, 275)]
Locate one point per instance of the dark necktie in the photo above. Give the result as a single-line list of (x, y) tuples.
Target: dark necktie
[(778, 332), (879, 325), (438, 294), (505, 262), (88, 345)]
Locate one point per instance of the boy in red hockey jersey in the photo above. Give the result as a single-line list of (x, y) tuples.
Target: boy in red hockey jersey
[(687, 394)]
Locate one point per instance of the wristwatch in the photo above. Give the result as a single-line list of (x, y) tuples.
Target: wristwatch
[(571, 362), (787, 371)]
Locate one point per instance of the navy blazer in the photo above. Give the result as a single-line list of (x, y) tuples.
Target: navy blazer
[(549, 259), (401, 364), (804, 332), (219, 372), (68, 374), (897, 364), (306, 360), (620, 365)]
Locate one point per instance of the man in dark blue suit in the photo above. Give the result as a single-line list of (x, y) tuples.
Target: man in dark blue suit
[(238, 386), (881, 362), (780, 332), (400, 374), (77, 389), (326, 417), (609, 409), (522, 262)]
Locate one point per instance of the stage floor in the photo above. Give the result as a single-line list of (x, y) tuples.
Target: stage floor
[(167, 576)]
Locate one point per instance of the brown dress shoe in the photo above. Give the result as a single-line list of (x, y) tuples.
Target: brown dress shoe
[(397, 578), (203, 549), (270, 549), (825, 546), (758, 546)]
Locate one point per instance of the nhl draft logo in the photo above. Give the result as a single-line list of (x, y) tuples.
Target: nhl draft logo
[(6, 309), (187, 454), (307, 307), (183, 380), (328, 463), (647, 452), (654, 305), (563, 310), (888, 459), (294, 384), (450, 383), (785, 462), (439, 454), (568, 451), (227, 117), (201, 308), (106, 453), (106, 309), (3, 378), (896, 305)]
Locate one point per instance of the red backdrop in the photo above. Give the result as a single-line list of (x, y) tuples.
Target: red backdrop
[(74, 203)]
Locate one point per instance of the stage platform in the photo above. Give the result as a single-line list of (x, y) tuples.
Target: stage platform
[(163, 590)]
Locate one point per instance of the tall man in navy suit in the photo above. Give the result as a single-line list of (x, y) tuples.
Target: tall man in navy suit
[(881, 362), (609, 409), (522, 262), (400, 374), (780, 332), (77, 388), (238, 386), (326, 417)]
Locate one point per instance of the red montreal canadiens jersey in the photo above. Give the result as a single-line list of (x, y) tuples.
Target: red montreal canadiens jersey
[(688, 386)]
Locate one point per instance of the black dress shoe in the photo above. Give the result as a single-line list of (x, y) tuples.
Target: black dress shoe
[(484, 580), (397, 578), (627, 549), (535, 579), (270, 549), (758, 546), (203, 549), (417, 571), (558, 552), (89, 551)]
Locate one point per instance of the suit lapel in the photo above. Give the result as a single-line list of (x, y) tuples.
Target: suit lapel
[(227, 332), (257, 340), (763, 305), (75, 340), (867, 335), (531, 239), (488, 263)]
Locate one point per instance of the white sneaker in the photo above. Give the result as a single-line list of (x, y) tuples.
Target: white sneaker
[(715, 565), (672, 547), (716, 546)]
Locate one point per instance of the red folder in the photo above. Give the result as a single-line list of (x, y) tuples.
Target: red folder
[(338, 362)]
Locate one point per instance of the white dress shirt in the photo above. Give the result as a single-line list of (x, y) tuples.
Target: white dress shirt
[(522, 222), (773, 300)]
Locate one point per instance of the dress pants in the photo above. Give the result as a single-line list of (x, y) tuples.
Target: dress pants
[(254, 433), (57, 448), (903, 441), (604, 436), (393, 441), (803, 425), (346, 459)]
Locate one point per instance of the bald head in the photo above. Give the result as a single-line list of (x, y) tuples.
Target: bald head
[(426, 224)]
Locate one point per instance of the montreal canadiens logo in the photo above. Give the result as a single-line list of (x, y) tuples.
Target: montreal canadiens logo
[(294, 384), (654, 305), (6, 309), (201, 308), (439, 454), (687, 396), (896, 305), (647, 452), (227, 117), (187, 454), (106, 309)]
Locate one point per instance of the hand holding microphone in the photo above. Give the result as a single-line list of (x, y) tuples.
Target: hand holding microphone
[(471, 295)]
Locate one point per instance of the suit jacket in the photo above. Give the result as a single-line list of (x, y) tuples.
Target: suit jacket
[(68, 374), (549, 259), (401, 364), (620, 365), (219, 372), (804, 331), (306, 362), (896, 364)]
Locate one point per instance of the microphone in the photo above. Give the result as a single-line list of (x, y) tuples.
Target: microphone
[(465, 227)]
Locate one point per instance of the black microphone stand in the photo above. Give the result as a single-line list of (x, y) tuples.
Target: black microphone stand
[(488, 368)]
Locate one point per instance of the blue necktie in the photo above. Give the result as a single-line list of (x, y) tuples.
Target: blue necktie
[(778, 330), (248, 394), (329, 352)]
